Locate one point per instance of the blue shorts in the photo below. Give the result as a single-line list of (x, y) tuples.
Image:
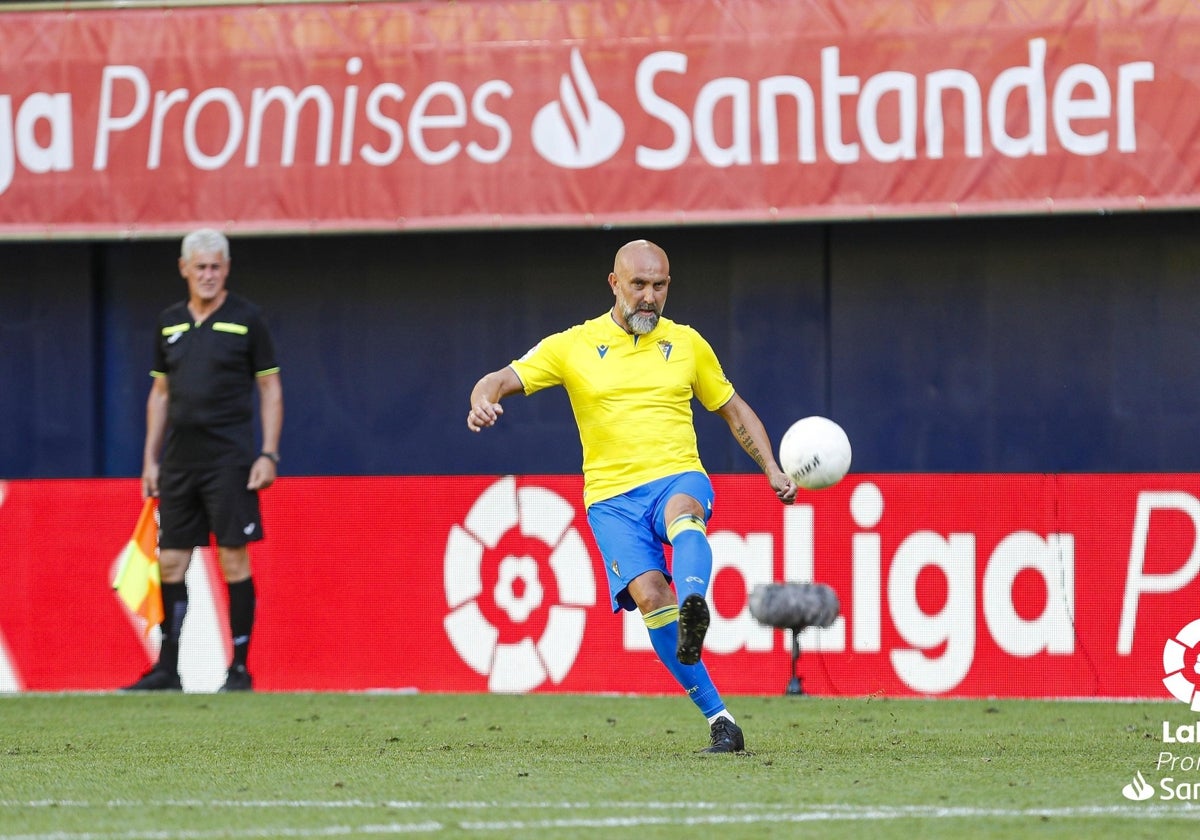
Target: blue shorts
[(630, 530)]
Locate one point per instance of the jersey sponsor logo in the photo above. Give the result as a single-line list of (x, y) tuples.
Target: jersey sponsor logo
[(602, 349)]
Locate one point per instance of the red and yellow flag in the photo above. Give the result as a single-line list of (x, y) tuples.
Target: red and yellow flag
[(138, 582)]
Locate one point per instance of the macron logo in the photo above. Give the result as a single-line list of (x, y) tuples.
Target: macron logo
[(602, 349)]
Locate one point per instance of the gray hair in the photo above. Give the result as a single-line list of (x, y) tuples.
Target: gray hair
[(204, 241)]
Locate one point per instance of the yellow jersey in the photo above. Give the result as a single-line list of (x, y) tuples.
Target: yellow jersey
[(632, 397)]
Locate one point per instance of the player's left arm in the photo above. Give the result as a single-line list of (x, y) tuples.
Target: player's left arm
[(270, 409), (750, 433)]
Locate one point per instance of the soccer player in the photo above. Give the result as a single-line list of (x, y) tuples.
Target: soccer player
[(213, 352), (631, 375)]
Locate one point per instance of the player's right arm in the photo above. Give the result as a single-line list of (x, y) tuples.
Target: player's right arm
[(486, 396), (156, 427)]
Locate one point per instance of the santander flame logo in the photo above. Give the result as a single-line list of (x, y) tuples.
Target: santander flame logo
[(580, 130), (1139, 790)]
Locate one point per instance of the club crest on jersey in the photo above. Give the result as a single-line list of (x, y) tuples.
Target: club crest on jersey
[(601, 349), (664, 347)]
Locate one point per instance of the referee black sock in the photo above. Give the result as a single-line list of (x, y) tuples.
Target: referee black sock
[(175, 607), (241, 617)]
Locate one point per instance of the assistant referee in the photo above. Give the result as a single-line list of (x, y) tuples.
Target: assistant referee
[(212, 353)]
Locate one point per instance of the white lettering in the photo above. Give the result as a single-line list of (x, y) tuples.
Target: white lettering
[(19, 142), (420, 121), (195, 155), (904, 85), (866, 508), (798, 565), (163, 102), (833, 87), (384, 123), (1182, 791), (1137, 581), (1185, 733), (210, 142), (953, 625), (8, 163), (737, 93), (1170, 761), (1127, 76), (349, 108), (752, 558), (949, 630), (1017, 98), (292, 102), (107, 123), (1068, 108), (670, 114), (489, 119), (1052, 559), (56, 111), (936, 84), (1033, 79), (769, 92)]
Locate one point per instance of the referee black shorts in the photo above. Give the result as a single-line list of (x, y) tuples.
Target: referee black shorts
[(194, 503)]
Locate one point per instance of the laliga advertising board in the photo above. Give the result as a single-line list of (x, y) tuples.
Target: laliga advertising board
[(949, 585)]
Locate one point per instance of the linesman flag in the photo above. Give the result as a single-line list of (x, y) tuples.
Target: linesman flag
[(138, 582)]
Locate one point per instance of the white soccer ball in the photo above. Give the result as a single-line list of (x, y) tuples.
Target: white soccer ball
[(815, 453)]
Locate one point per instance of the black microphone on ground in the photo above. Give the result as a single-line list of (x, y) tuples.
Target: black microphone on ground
[(794, 606)]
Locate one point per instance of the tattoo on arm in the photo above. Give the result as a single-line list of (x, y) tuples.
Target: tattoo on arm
[(747, 441)]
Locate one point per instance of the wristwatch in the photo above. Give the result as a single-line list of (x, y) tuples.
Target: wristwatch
[(274, 456)]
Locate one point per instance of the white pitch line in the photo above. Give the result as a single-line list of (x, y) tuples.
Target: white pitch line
[(327, 831), (750, 815), (834, 810)]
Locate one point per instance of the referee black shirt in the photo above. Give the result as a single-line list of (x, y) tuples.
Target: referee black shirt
[(212, 370)]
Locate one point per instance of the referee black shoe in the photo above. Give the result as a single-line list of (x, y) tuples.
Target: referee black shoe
[(237, 678), (693, 625), (156, 679), (726, 737)]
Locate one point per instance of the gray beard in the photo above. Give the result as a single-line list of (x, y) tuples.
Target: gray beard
[(642, 322)]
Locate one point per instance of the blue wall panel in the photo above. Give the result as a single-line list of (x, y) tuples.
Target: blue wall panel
[(48, 360), (1002, 344), (1018, 345)]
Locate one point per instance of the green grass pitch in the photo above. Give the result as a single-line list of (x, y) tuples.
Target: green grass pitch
[(190, 767)]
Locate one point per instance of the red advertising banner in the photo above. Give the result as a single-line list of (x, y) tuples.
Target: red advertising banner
[(390, 116), (949, 585)]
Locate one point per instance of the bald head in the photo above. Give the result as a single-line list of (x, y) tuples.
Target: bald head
[(640, 255)]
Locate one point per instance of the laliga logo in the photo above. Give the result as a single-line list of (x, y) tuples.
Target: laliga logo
[(1182, 688), (580, 130), (539, 515)]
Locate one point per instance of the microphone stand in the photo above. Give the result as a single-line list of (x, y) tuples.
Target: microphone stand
[(794, 687)]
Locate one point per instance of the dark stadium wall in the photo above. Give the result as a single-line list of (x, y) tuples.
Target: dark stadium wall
[(1006, 344)]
